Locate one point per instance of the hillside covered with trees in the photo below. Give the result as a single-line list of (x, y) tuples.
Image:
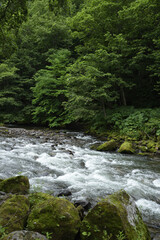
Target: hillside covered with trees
[(93, 63)]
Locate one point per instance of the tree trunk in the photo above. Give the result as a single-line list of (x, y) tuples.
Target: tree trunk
[(123, 97)]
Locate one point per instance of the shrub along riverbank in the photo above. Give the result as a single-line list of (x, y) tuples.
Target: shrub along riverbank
[(140, 127), (29, 216)]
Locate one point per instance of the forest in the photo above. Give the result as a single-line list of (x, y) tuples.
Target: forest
[(91, 64)]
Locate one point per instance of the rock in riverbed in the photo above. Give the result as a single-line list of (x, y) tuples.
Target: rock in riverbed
[(114, 216)]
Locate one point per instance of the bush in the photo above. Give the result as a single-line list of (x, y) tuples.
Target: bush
[(131, 122)]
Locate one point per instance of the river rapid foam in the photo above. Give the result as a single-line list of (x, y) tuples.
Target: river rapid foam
[(54, 166)]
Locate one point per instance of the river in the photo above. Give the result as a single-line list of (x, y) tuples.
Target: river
[(65, 162)]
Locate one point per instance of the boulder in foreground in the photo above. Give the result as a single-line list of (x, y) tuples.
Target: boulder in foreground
[(114, 216), (24, 235), (19, 184), (55, 216), (13, 213)]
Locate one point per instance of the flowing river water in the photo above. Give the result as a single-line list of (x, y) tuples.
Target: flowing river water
[(66, 162)]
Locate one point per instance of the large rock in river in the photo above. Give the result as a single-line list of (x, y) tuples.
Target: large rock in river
[(126, 147), (56, 216), (113, 216), (24, 235), (108, 146), (19, 184), (14, 212)]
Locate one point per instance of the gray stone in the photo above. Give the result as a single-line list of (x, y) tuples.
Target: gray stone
[(24, 235)]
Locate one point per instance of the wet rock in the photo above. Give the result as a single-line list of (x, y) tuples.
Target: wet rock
[(94, 146), (65, 193), (157, 237), (115, 215), (24, 235), (56, 216), (19, 184), (85, 204), (81, 212), (2, 193), (126, 147), (14, 212), (108, 146)]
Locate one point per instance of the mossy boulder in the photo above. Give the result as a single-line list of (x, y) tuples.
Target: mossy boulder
[(14, 212), (151, 146), (36, 198), (19, 184), (126, 147), (115, 215), (108, 146), (56, 216), (24, 235)]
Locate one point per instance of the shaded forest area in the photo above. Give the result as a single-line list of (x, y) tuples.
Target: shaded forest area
[(93, 63)]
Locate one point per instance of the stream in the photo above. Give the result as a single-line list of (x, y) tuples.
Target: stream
[(65, 162)]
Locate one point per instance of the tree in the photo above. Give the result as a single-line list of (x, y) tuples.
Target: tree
[(41, 32), (50, 90), (10, 92), (12, 14)]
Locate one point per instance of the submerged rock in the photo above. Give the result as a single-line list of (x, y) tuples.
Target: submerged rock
[(108, 146), (19, 184), (56, 216), (24, 235), (14, 212), (113, 216), (126, 147)]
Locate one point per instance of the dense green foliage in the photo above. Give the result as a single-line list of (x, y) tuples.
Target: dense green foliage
[(94, 62)]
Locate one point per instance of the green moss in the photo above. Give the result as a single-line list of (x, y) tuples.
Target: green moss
[(56, 216), (126, 147), (36, 198), (13, 213), (94, 146), (19, 184), (142, 148), (115, 214), (108, 146), (151, 145)]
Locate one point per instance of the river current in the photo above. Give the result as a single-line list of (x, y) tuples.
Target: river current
[(54, 166)]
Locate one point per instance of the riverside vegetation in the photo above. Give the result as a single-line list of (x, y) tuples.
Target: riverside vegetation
[(86, 64), (40, 216)]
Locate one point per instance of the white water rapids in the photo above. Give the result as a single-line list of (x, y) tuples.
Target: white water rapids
[(89, 175)]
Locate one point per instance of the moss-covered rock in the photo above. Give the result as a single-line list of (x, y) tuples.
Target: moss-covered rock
[(94, 146), (14, 212), (115, 215), (151, 146), (24, 235), (19, 184), (56, 216), (126, 147), (108, 146), (36, 198)]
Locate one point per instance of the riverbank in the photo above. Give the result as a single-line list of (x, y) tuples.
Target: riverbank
[(142, 146), (147, 146)]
